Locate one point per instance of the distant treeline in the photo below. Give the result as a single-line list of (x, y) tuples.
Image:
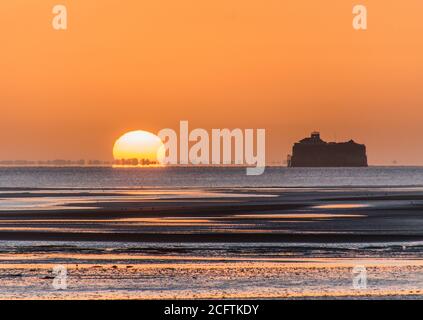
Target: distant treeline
[(134, 162), (57, 162), (119, 162)]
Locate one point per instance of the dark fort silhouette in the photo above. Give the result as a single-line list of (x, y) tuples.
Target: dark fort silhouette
[(314, 152)]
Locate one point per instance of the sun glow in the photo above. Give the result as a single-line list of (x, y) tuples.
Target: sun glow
[(138, 148)]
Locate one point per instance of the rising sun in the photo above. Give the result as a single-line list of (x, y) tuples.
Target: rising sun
[(138, 148)]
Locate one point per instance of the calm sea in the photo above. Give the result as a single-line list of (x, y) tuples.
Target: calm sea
[(90, 177)]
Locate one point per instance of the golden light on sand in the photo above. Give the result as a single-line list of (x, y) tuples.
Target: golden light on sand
[(138, 148)]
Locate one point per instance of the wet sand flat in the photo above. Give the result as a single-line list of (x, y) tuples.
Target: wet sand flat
[(213, 243), (241, 215)]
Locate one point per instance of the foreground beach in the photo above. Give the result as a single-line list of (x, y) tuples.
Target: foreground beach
[(163, 277), (211, 242)]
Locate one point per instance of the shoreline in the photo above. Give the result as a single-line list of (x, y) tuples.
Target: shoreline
[(203, 238)]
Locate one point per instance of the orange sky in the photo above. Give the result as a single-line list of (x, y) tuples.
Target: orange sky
[(288, 66)]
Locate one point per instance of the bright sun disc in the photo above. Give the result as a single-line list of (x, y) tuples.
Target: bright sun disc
[(139, 147)]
